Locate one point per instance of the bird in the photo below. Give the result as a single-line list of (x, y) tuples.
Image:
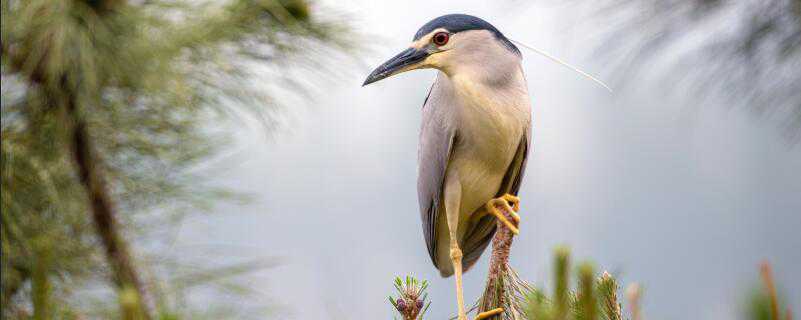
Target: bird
[(475, 136)]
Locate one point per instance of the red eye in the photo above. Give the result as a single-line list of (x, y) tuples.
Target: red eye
[(441, 38)]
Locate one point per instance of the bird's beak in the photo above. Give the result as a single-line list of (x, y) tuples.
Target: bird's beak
[(404, 61)]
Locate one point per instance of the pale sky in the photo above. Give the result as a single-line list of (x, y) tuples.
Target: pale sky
[(685, 200)]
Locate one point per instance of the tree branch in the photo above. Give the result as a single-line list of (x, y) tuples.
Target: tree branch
[(498, 292), (102, 207)]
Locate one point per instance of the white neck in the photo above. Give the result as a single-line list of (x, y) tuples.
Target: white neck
[(481, 58)]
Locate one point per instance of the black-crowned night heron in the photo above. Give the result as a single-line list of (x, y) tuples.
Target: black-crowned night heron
[(474, 139)]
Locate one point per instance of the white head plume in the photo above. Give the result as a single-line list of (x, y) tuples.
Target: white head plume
[(557, 60)]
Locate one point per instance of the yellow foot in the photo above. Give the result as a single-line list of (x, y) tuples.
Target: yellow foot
[(490, 313), (511, 204), (514, 202)]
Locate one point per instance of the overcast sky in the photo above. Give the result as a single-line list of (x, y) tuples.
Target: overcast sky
[(684, 199)]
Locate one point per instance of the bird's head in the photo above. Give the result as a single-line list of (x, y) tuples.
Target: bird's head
[(454, 44)]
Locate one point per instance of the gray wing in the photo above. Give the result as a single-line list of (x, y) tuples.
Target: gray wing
[(517, 169), (480, 236), (436, 142)]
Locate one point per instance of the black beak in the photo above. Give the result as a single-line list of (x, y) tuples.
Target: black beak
[(396, 64)]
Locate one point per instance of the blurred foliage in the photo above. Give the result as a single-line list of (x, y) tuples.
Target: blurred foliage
[(595, 296), (746, 53), (764, 302), (153, 81)]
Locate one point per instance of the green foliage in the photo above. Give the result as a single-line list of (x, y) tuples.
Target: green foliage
[(561, 286), (607, 291), (411, 301), (154, 81), (595, 298), (758, 307), (764, 302), (587, 302)]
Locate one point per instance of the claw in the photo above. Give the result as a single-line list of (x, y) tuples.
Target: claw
[(490, 313), (515, 204), (515, 201), (515, 217), (492, 208)]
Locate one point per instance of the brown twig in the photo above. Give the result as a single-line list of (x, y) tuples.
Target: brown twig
[(102, 207), (90, 177), (497, 292)]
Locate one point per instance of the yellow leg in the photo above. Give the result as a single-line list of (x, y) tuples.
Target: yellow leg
[(490, 313), (504, 202), (453, 196), (456, 258)]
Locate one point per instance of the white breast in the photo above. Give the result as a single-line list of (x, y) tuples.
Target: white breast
[(491, 123)]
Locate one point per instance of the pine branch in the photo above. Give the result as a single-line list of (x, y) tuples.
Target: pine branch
[(411, 301), (587, 302), (105, 6), (499, 292), (607, 289), (103, 210)]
